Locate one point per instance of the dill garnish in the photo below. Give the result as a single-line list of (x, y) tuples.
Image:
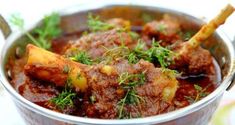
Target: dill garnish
[(114, 53), (200, 93), (64, 99), (131, 80), (128, 82)]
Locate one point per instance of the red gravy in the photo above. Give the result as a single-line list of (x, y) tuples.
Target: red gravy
[(40, 92)]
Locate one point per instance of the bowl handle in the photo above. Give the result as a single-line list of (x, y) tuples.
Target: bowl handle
[(233, 70), (232, 81), (6, 30)]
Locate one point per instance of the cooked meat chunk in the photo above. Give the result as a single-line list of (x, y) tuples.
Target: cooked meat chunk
[(156, 88), (96, 44), (194, 62), (156, 92), (165, 30)]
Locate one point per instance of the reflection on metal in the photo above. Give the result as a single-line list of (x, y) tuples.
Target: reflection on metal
[(4, 27), (1, 89)]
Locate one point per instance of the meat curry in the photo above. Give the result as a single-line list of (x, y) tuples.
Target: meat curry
[(111, 71)]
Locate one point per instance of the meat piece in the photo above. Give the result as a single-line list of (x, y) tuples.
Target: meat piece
[(192, 58), (36, 92), (194, 61), (165, 30), (103, 82), (47, 66), (96, 44), (156, 93)]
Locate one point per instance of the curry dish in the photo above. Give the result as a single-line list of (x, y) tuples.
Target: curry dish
[(112, 70)]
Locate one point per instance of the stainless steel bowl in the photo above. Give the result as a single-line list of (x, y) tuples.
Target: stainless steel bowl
[(74, 18)]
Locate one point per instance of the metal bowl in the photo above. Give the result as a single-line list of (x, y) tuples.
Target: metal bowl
[(74, 18)]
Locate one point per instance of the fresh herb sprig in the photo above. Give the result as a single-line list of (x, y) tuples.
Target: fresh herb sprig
[(41, 35), (82, 57), (163, 55), (115, 53), (200, 92), (138, 53), (95, 24), (128, 83), (156, 53), (64, 99), (131, 80)]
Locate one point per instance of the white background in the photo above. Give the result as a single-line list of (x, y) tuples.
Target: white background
[(33, 10)]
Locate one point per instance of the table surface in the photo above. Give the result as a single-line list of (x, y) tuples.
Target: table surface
[(225, 114)]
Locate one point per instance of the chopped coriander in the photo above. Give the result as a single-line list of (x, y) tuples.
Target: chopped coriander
[(82, 57), (132, 58), (137, 53), (156, 53), (64, 99), (95, 24), (48, 30), (50, 26)]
